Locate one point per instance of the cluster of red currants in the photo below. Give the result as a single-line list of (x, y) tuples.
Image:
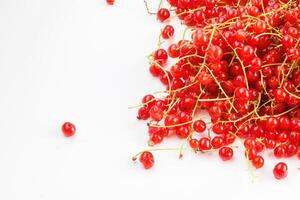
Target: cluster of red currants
[(241, 65)]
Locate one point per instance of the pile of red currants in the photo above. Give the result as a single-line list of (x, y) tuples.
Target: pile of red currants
[(240, 64)]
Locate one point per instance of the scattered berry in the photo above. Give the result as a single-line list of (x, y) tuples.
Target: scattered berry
[(68, 129)]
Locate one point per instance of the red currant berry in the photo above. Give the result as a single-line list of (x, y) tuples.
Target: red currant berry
[(280, 170), (194, 143), (217, 142), (68, 129), (199, 126), (279, 152), (143, 113), (204, 144), (147, 159), (226, 153), (258, 162), (167, 32), (163, 14)]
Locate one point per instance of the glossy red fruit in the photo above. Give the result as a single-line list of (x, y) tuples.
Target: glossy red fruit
[(143, 113), (204, 144), (147, 159), (199, 126), (163, 14), (68, 129), (167, 32), (280, 170), (217, 142), (226, 153), (258, 162), (279, 151), (194, 143)]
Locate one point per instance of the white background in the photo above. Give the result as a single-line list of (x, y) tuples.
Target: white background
[(85, 62)]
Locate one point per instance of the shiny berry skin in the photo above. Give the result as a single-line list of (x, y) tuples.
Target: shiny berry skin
[(174, 51), (155, 138), (280, 170), (226, 153), (214, 54), (280, 95), (199, 126), (258, 162), (271, 124), (183, 132), (204, 144), (200, 39), (148, 100), (163, 14), (167, 32), (161, 56), (260, 27), (249, 143), (242, 94), (194, 143), (68, 129), (291, 150), (143, 113), (279, 152), (217, 142), (147, 159), (156, 113)]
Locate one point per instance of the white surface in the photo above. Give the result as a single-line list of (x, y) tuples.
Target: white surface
[(82, 61)]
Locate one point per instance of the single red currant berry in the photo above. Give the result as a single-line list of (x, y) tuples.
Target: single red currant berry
[(183, 132), (279, 151), (147, 159), (200, 39), (258, 162), (270, 144), (214, 54), (217, 142), (229, 138), (68, 129), (288, 41), (156, 113), (260, 27), (280, 170), (155, 138), (199, 126), (194, 143), (280, 95), (204, 144), (143, 113), (148, 100), (249, 143), (174, 50), (225, 153), (271, 124), (242, 94), (163, 14), (155, 71), (161, 56), (167, 32), (291, 150), (259, 147)]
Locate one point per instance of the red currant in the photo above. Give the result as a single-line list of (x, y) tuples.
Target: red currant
[(68, 129), (147, 159)]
